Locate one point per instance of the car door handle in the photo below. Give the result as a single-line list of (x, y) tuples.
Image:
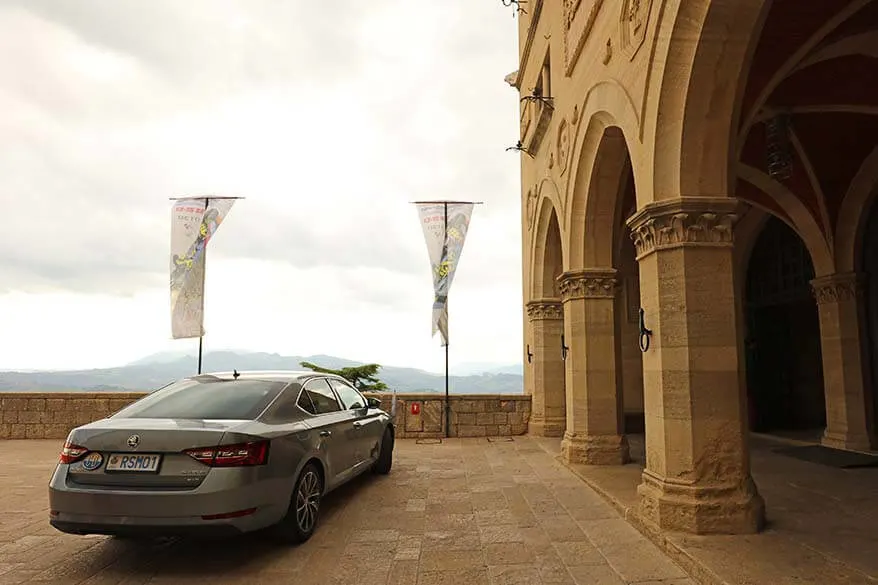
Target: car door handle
[(325, 433), (358, 424)]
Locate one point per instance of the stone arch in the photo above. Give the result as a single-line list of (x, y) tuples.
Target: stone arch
[(545, 367), (595, 209), (853, 214), (698, 106), (747, 230), (803, 222), (547, 259), (607, 104), (595, 429)]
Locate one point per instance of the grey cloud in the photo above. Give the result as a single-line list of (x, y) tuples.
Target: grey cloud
[(301, 240), (85, 210), (220, 45)]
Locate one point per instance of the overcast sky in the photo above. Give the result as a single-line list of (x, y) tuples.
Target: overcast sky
[(329, 117)]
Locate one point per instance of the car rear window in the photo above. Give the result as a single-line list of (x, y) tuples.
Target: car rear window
[(206, 399)]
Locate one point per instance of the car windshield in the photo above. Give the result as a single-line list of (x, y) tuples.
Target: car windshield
[(206, 398)]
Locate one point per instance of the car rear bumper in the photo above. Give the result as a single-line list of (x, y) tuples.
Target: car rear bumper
[(72, 523), (81, 509), (146, 530)]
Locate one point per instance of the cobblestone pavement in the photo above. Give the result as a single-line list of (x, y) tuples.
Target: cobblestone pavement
[(463, 512)]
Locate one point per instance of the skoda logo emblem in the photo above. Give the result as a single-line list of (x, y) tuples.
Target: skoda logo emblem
[(133, 441)]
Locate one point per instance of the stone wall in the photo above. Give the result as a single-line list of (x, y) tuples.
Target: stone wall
[(52, 415)]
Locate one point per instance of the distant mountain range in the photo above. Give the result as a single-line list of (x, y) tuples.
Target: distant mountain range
[(157, 370)]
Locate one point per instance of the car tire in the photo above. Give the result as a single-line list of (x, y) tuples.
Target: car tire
[(302, 516), (385, 455)]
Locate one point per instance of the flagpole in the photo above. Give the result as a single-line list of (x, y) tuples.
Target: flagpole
[(203, 281), (447, 405), (204, 264), (445, 204)]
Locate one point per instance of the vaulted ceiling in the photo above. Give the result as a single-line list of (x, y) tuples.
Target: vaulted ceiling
[(816, 63)]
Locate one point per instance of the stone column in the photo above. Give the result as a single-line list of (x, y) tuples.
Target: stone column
[(849, 422), (548, 417), (594, 432), (697, 476)]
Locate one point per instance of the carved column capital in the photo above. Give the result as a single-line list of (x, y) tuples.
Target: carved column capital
[(686, 221), (588, 284), (838, 288), (545, 310)]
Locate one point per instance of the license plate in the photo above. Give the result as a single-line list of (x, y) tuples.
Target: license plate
[(133, 462)]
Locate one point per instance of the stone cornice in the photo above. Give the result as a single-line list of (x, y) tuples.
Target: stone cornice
[(588, 284), (838, 288), (545, 310), (688, 221)]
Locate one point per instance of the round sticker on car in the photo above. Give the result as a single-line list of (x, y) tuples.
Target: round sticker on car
[(92, 461)]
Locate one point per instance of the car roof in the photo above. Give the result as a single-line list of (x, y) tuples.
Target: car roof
[(266, 375)]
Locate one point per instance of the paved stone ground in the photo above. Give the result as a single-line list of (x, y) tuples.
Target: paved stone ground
[(464, 512), (821, 520)]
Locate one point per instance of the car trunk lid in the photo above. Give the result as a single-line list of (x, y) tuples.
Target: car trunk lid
[(145, 453)]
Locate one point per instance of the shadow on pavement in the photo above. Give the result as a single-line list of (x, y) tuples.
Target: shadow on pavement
[(203, 557)]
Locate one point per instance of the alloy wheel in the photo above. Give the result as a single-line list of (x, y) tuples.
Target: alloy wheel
[(308, 501)]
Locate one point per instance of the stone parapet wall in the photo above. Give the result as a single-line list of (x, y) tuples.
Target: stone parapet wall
[(51, 415), (472, 415)]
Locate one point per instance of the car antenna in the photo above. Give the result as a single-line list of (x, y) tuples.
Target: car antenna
[(235, 374)]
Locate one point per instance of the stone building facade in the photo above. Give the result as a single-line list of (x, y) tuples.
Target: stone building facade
[(700, 244)]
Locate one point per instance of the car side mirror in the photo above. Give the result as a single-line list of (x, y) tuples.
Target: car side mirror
[(373, 402)]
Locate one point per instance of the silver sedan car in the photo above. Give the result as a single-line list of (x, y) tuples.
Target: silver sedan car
[(220, 454)]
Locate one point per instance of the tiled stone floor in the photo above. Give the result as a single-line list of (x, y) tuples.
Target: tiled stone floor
[(822, 521), (463, 512)]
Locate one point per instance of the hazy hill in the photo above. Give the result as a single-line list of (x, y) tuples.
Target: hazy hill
[(157, 370)]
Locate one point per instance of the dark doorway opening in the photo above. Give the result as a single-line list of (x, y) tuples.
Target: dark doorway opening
[(869, 266), (784, 363)]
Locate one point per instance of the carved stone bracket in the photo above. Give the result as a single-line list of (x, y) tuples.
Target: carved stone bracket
[(588, 284), (688, 221), (545, 310), (838, 288)]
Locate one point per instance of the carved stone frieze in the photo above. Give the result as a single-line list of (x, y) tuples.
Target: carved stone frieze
[(531, 207), (563, 145), (579, 19), (689, 221), (634, 21), (838, 288), (588, 284), (544, 310)]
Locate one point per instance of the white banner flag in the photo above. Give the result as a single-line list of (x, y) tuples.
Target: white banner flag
[(193, 223), (445, 226)]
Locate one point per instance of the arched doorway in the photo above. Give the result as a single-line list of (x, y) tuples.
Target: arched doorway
[(628, 322), (869, 267), (784, 365), (590, 290), (546, 323)]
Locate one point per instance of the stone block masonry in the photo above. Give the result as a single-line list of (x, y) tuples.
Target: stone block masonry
[(52, 415)]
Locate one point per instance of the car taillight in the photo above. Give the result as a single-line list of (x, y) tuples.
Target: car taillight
[(71, 453), (240, 455)]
